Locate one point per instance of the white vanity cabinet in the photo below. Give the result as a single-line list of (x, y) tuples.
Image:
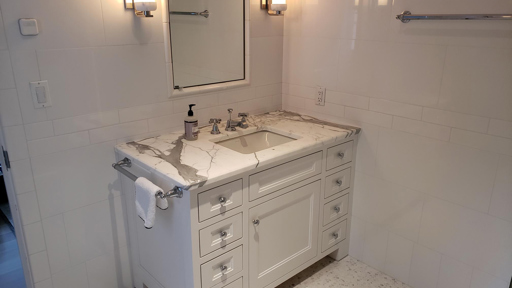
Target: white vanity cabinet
[(255, 229)]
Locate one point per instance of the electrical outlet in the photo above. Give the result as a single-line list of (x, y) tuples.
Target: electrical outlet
[(320, 96)]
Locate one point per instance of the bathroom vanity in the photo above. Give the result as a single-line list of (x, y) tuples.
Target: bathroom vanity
[(259, 204)]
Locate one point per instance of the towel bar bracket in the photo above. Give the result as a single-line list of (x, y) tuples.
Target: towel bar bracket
[(176, 192)]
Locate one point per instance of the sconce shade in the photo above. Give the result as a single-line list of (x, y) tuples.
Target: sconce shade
[(145, 5)]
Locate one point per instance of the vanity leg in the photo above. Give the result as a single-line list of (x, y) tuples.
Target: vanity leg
[(342, 251), (337, 255)]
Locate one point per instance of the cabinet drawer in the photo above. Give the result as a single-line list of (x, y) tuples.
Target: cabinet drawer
[(335, 209), (221, 268), (238, 283), (337, 182), (219, 200), (334, 235), (339, 155), (273, 179), (220, 234)]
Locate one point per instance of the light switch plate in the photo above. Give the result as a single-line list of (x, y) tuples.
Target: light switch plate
[(40, 94), (28, 27)]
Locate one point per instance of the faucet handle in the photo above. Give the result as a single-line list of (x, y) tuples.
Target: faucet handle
[(243, 115), (230, 110), (215, 120)]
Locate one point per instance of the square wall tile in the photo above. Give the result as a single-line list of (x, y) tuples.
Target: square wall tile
[(26, 70), (39, 130), (480, 279), (398, 257), (75, 276), (110, 270), (57, 245), (39, 266), (471, 237), (502, 192), (72, 81), (6, 76), (16, 142), (22, 176), (10, 113), (34, 237), (454, 274), (63, 186), (266, 60), (387, 205), (62, 25), (375, 246), (463, 85), (121, 27), (90, 232), (29, 210), (425, 265), (124, 73)]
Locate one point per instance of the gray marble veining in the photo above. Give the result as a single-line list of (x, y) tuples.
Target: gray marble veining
[(192, 164)]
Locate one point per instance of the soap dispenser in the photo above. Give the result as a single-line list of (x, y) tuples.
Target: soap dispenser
[(191, 125)]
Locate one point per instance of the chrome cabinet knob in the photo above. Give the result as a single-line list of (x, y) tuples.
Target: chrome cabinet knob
[(223, 269), (223, 234), (341, 155), (339, 182), (222, 200), (256, 222), (335, 235), (337, 209)]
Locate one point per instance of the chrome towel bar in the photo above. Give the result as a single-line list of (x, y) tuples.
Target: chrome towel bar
[(175, 192), (205, 13), (407, 16)]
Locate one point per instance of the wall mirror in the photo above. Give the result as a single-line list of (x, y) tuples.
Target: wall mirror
[(207, 42)]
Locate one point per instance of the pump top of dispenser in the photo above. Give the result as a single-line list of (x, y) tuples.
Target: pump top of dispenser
[(190, 112)]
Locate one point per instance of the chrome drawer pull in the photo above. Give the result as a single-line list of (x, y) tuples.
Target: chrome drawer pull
[(335, 235), (337, 209), (341, 155), (222, 200), (339, 182), (223, 234), (256, 222), (223, 269)]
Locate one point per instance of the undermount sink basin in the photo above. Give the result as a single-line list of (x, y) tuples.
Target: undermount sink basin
[(254, 142)]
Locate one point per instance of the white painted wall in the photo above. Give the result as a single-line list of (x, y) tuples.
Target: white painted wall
[(107, 77), (433, 191)]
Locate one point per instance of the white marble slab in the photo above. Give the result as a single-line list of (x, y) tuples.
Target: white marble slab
[(192, 164)]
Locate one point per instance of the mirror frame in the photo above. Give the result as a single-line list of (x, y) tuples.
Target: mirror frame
[(174, 93)]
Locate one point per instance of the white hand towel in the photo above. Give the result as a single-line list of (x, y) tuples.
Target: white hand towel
[(146, 200)]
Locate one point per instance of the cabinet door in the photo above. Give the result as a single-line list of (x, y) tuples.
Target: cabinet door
[(283, 234)]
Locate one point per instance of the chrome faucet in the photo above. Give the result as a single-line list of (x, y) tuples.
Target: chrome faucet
[(215, 128), (232, 124)]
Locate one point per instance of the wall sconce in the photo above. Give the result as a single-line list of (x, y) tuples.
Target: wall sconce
[(142, 8), (274, 7)]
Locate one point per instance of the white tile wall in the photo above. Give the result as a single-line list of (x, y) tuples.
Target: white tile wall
[(107, 76), (433, 185), (10, 113)]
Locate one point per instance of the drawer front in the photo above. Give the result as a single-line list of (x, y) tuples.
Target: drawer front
[(337, 182), (339, 155), (273, 179), (334, 235), (220, 199), (238, 283), (335, 209), (221, 268), (220, 234)]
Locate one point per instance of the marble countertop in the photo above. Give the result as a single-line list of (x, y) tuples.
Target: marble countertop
[(192, 164)]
